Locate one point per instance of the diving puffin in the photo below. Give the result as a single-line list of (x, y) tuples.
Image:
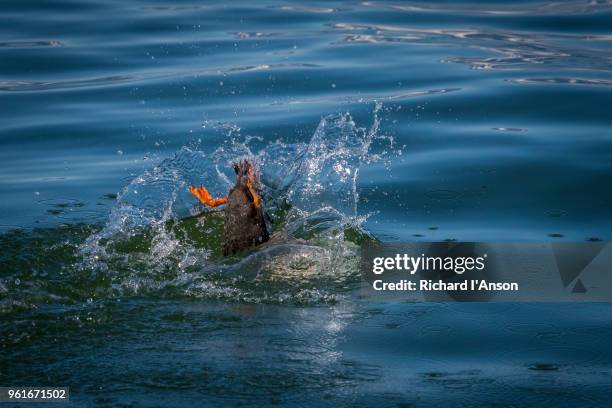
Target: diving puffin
[(245, 225)]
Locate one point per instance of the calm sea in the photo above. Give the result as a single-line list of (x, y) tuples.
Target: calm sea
[(389, 121)]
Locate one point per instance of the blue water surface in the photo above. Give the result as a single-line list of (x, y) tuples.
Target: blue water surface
[(465, 121)]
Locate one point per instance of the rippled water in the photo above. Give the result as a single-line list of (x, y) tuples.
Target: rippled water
[(367, 120)]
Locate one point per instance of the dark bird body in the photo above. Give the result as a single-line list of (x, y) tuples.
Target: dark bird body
[(245, 225)]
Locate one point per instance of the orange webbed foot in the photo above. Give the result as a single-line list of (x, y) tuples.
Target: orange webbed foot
[(256, 199), (205, 198)]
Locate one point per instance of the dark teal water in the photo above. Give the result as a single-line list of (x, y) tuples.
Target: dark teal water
[(367, 120)]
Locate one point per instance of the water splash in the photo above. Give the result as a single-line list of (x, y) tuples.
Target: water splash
[(158, 241)]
